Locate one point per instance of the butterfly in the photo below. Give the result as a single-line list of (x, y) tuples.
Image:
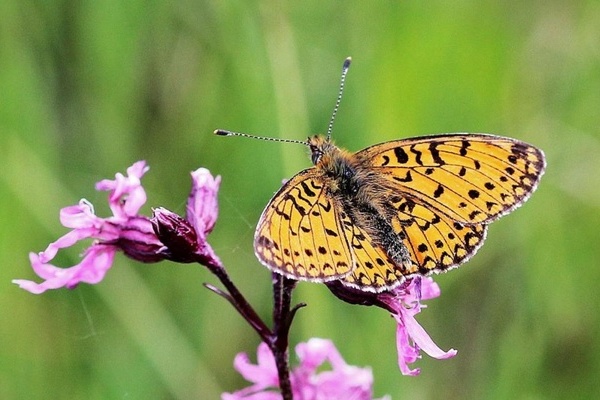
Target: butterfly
[(406, 207)]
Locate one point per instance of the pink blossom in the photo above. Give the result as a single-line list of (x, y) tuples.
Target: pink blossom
[(125, 230), (405, 301), (202, 208), (185, 240), (343, 381)]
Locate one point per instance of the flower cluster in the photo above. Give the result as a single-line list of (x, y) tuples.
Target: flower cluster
[(343, 381), (137, 236)]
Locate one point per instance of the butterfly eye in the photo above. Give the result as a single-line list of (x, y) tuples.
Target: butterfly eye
[(316, 154)]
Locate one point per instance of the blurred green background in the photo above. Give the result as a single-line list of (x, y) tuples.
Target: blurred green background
[(87, 88)]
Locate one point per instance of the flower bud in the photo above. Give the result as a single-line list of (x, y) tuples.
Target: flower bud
[(177, 235)]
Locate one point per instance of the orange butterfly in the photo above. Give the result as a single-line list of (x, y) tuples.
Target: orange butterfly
[(395, 209)]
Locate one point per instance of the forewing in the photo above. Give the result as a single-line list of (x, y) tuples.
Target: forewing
[(471, 178), (300, 232)]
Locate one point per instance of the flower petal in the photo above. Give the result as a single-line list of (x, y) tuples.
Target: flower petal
[(91, 269), (423, 340), (350, 382), (407, 353), (67, 240), (429, 289), (264, 373), (202, 208), (410, 336), (127, 195), (316, 351), (78, 216)]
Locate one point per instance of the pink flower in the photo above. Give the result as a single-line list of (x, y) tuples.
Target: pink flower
[(343, 381), (125, 230), (202, 208), (405, 301), (185, 240)]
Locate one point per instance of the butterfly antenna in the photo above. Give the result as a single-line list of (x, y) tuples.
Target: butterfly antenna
[(222, 132), (345, 67)]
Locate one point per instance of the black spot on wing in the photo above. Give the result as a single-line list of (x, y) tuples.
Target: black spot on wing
[(401, 155), (308, 191), (418, 155), (406, 179), (435, 153)]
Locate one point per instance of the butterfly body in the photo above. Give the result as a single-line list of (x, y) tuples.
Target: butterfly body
[(360, 194), (411, 206)]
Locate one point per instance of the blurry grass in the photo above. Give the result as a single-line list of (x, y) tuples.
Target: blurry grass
[(88, 88)]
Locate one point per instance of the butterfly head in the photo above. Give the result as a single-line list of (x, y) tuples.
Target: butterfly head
[(319, 147)]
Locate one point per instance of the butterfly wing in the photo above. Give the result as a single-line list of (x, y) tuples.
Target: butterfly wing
[(374, 270), (471, 178), (300, 232), (443, 191), (435, 242)]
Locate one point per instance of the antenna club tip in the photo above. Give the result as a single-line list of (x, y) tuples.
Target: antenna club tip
[(347, 62), (221, 132)]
